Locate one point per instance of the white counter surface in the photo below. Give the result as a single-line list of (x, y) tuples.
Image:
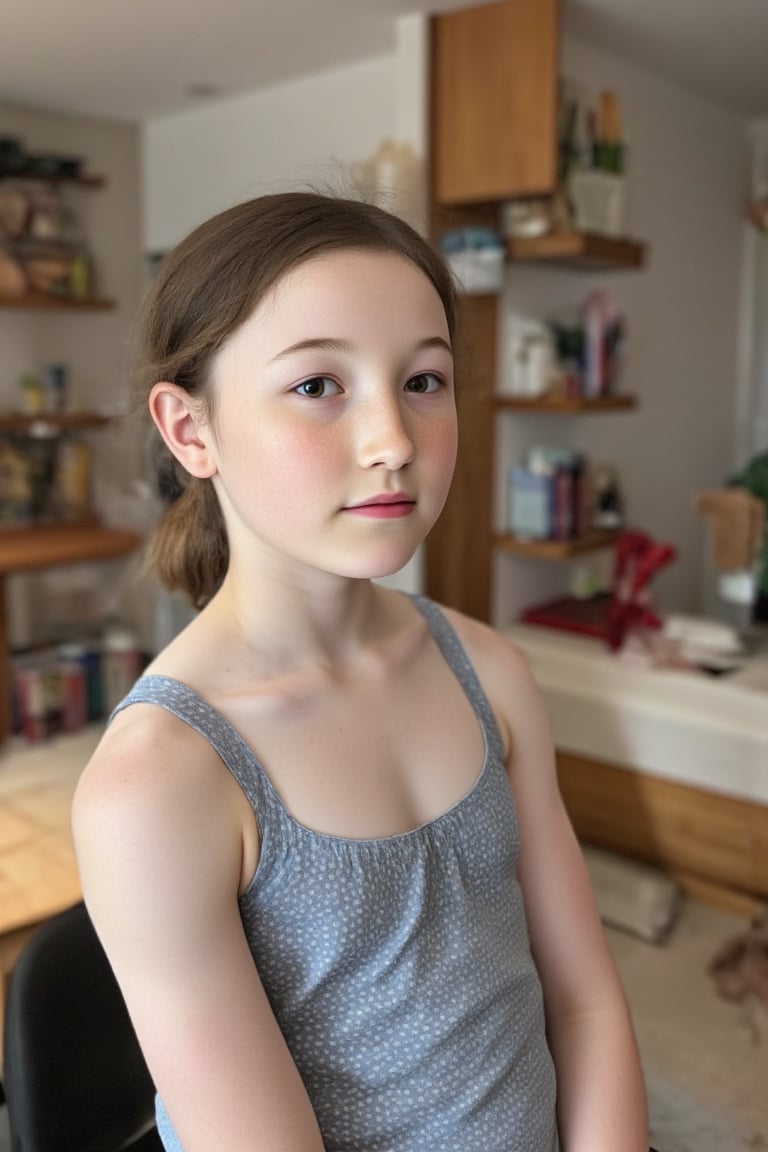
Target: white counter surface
[(709, 732)]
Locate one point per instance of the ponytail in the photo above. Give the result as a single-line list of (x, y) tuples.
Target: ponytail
[(189, 550)]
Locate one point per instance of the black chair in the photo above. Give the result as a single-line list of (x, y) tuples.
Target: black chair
[(74, 1076)]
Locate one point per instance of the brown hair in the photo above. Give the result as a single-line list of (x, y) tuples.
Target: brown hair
[(205, 289)]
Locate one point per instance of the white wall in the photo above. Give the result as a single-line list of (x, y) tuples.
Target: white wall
[(289, 136), (752, 431), (759, 429), (306, 132), (686, 197)]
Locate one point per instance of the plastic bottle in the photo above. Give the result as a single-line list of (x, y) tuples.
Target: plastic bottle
[(74, 701), (120, 664)]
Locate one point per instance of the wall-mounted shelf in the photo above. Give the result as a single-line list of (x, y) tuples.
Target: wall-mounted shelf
[(586, 251), (23, 549), (41, 545), (83, 181), (40, 302), (501, 56), (566, 404), (555, 549), (51, 423)]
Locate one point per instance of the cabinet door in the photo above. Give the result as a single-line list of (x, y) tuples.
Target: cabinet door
[(494, 73)]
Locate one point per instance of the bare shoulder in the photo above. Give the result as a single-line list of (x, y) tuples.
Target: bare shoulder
[(147, 761), (500, 665), (505, 676), (486, 647), (156, 814)]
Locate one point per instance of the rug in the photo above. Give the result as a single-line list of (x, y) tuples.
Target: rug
[(680, 1123)]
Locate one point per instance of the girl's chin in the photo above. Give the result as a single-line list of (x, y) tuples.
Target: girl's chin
[(380, 567)]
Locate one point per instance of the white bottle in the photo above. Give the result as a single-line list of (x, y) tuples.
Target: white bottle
[(120, 664)]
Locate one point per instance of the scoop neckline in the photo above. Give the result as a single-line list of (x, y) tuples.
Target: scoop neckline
[(255, 763)]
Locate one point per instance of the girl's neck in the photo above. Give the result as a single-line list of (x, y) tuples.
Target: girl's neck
[(328, 620)]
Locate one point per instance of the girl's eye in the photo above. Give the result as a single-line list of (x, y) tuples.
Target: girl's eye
[(424, 382), (318, 387)]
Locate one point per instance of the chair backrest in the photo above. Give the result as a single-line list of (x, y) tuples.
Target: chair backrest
[(74, 1075)]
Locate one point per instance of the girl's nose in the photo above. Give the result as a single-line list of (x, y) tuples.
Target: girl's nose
[(383, 436)]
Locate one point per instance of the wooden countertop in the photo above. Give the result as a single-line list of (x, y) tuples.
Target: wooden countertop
[(42, 546)]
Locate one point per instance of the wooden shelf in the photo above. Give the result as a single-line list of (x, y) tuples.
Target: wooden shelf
[(586, 251), (48, 424), (555, 549), (41, 302), (566, 404), (82, 181), (40, 546)]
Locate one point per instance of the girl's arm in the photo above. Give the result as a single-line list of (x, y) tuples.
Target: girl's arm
[(601, 1094), (158, 826)]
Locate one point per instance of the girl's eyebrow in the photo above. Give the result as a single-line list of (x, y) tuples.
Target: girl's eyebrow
[(321, 344), (328, 344), (434, 342)]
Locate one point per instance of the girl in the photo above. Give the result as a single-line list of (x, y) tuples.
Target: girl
[(322, 840)]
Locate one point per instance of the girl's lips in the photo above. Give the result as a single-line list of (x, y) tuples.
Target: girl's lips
[(385, 507)]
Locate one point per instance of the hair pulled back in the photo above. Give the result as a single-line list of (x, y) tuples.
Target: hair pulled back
[(204, 290)]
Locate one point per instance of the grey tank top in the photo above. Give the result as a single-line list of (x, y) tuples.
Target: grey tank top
[(398, 968)]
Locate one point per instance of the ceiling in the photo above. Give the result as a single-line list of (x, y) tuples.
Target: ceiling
[(137, 59)]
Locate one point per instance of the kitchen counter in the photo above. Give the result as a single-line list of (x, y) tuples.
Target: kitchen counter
[(670, 767), (690, 727)]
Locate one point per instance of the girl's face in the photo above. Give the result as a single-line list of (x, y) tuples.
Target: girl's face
[(334, 436)]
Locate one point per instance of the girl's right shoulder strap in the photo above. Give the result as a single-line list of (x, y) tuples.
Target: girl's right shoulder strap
[(186, 704)]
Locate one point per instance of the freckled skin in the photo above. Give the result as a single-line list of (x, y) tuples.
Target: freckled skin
[(302, 436)]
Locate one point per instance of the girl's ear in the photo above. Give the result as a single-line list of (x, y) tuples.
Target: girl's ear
[(182, 428)]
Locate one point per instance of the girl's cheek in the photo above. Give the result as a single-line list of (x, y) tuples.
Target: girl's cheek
[(447, 441)]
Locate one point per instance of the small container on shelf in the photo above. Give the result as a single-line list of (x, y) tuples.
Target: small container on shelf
[(530, 500), (476, 256), (599, 201), (121, 664), (55, 387), (74, 703), (73, 479), (530, 358), (29, 691), (548, 496)]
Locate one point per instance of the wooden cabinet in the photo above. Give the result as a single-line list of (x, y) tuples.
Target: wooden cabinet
[(494, 79), (715, 845)]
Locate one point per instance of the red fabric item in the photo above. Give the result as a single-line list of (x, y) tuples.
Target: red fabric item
[(637, 557)]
